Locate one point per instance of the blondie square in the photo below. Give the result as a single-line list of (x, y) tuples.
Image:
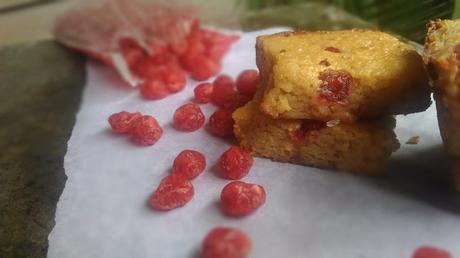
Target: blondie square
[(362, 147), (342, 75)]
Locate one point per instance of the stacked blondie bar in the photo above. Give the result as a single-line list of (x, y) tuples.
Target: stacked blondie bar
[(327, 99), (442, 57)]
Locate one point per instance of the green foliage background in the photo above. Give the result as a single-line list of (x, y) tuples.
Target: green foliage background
[(407, 18)]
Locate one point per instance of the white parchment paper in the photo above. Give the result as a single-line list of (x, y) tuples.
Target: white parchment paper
[(309, 212)]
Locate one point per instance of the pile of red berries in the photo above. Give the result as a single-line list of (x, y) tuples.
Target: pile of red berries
[(237, 198), (223, 92), (164, 71), (227, 95)]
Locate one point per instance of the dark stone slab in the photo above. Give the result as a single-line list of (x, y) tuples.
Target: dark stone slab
[(40, 92)]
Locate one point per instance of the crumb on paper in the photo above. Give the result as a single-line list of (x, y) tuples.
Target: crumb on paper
[(413, 140)]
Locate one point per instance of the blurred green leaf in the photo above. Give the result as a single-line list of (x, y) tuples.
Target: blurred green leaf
[(305, 16), (407, 18), (456, 13)]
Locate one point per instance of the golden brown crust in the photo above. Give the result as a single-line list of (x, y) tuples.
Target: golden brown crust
[(291, 81), (303, 32)]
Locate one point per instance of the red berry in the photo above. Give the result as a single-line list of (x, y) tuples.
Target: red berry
[(163, 57), (241, 199), (200, 67), (133, 57), (222, 94), (189, 163), (179, 47), (205, 69), (146, 130), (223, 90), (157, 49), (195, 45), (235, 101), (335, 84), (175, 80), (170, 75), (430, 252), (223, 80), (225, 242), (307, 129), (221, 123), (131, 51), (154, 88), (122, 122), (138, 69), (173, 192), (235, 163), (203, 93), (143, 68), (188, 61), (188, 118), (247, 82)]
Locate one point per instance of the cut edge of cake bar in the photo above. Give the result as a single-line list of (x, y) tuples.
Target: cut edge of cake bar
[(442, 57), (361, 148)]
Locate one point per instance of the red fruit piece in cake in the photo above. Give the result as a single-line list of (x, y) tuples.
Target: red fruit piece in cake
[(308, 128), (335, 84)]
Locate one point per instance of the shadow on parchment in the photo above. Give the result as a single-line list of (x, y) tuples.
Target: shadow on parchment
[(423, 176)]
